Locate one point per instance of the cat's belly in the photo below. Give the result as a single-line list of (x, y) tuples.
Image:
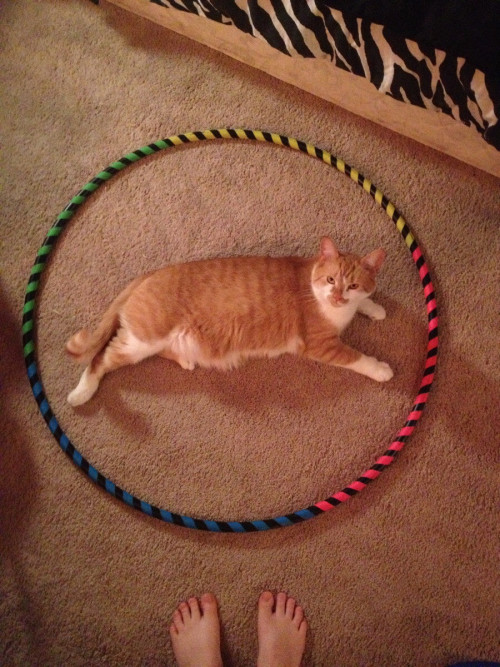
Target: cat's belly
[(184, 348)]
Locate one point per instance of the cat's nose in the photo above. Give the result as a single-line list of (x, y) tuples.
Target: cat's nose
[(338, 298), (337, 294)]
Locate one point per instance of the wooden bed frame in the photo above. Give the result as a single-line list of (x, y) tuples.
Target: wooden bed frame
[(321, 78)]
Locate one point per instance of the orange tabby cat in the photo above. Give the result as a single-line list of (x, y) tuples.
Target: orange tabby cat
[(219, 312)]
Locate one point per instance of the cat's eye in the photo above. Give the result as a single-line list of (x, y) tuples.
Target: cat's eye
[(354, 286), (331, 280)]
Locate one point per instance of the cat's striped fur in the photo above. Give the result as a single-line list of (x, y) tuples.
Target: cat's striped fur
[(219, 312)]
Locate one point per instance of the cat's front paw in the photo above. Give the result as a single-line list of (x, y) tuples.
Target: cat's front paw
[(382, 372), (377, 312), (371, 309), (372, 368)]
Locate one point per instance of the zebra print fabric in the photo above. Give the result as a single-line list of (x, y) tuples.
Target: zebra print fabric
[(396, 66)]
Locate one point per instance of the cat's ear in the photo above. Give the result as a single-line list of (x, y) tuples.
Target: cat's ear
[(374, 260), (327, 249)]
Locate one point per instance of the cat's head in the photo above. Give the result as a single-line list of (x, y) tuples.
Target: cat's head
[(341, 279)]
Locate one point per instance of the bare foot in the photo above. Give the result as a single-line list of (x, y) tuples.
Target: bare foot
[(195, 633), (282, 631)]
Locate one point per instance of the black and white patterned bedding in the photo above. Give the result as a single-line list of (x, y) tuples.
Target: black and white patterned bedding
[(437, 54)]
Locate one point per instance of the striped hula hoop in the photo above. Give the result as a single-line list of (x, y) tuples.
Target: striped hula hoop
[(29, 331)]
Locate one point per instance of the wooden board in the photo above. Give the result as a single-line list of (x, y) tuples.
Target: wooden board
[(323, 79)]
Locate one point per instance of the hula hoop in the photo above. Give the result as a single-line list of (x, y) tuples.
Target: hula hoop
[(29, 330)]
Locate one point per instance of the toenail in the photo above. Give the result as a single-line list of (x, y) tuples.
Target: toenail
[(207, 598)]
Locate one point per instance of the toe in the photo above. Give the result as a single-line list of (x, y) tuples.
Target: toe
[(208, 603), (298, 616), (281, 599), (290, 607), (194, 608), (177, 620), (173, 630), (184, 611), (266, 603)]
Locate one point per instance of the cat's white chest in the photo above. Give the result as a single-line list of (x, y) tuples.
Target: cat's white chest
[(339, 316)]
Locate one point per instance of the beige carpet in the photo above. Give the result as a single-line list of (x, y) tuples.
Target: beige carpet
[(403, 574)]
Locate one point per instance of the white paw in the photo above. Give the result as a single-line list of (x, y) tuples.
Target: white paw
[(85, 389), (372, 368), (187, 365), (377, 312), (382, 372), (79, 397)]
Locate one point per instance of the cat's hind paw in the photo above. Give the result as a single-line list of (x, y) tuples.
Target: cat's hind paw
[(85, 389), (79, 397), (382, 372)]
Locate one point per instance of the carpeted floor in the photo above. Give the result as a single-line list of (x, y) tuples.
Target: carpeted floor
[(404, 573)]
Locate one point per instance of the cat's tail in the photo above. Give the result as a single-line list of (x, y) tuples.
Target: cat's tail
[(85, 345)]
